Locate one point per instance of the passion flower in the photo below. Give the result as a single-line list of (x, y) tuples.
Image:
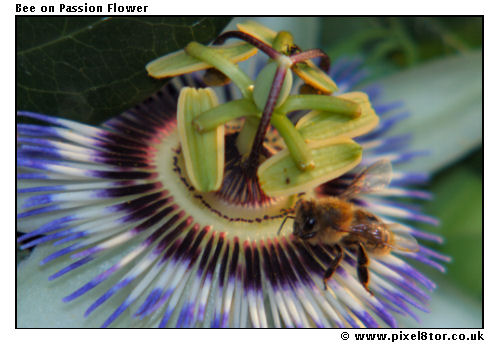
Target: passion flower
[(199, 244)]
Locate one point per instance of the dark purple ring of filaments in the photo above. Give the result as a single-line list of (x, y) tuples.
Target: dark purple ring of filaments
[(282, 263), (246, 268), (255, 197)]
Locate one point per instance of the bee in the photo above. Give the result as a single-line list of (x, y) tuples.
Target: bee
[(339, 222)]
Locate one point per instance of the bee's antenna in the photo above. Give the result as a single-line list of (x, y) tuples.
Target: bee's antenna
[(283, 222)]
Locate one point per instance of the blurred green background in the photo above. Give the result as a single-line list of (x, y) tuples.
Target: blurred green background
[(394, 43)]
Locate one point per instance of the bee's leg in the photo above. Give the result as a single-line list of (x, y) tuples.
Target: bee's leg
[(339, 255), (363, 261)]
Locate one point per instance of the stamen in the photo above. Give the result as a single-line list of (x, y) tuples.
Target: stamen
[(324, 63), (265, 122), (265, 48)]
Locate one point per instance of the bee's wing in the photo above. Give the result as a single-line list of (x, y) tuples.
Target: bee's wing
[(402, 240), (373, 178)]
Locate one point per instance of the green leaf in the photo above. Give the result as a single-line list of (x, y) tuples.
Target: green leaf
[(91, 68), (458, 203)]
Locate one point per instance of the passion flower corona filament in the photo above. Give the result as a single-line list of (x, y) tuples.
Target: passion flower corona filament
[(176, 187)]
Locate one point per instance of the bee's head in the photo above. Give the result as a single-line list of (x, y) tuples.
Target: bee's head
[(306, 223)]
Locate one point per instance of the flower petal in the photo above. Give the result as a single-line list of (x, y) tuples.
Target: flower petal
[(445, 98), (41, 307)]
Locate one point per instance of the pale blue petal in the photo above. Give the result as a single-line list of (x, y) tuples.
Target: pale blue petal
[(444, 98), (446, 312), (41, 305)]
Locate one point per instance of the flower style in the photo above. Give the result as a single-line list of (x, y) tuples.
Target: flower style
[(212, 259)]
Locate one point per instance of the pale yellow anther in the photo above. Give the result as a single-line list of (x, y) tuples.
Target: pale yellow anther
[(280, 176), (203, 152)]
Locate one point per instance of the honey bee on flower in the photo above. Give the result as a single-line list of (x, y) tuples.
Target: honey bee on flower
[(338, 222), (191, 186)]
